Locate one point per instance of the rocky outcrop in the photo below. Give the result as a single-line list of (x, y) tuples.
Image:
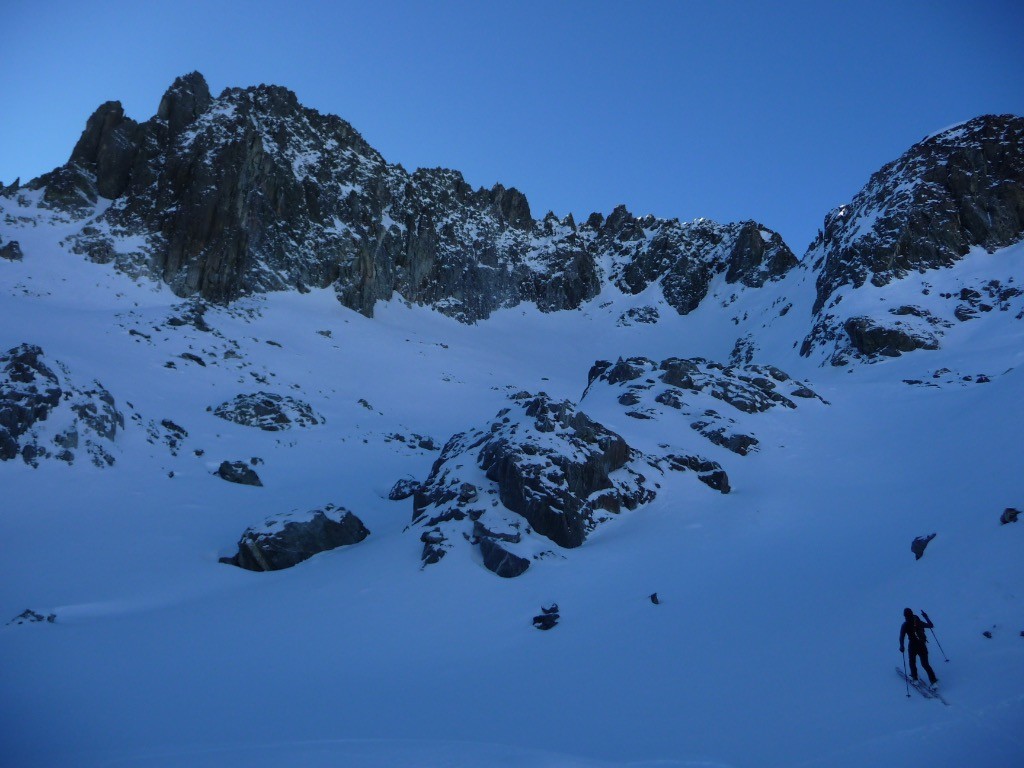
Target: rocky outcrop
[(697, 389), (10, 250), (547, 618), (43, 414), (960, 189), (403, 489), (250, 192), (708, 472), (288, 539), (1009, 515), (918, 545), (869, 338), (268, 411), (238, 472), (499, 560), (685, 257), (28, 616), (541, 471)]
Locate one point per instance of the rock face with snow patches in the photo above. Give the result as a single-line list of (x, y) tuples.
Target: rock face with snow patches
[(288, 539), (699, 390), (44, 415), (251, 192), (540, 469), (268, 411), (960, 189), (684, 258)]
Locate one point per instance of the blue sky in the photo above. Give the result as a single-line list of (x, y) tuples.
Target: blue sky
[(730, 110)]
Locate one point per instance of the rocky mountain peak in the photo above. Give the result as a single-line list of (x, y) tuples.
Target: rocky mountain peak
[(186, 99)]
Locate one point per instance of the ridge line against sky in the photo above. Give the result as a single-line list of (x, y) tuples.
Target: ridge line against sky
[(728, 110)]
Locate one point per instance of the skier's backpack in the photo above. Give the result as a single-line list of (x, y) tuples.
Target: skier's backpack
[(917, 632)]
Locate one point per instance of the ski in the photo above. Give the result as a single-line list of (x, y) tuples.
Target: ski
[(921, 688)]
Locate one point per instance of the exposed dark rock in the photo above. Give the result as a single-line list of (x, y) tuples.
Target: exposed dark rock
[(499, 560), (11, 251), (987, 633), (961, 188), (434, 546), (708, 472), (413, 440), (1009, 515), (743, 351), (547, 618), (654, 598), (29, 391), (684, 258), (404, 489), (194, 358), (696, 383), (28, 616), (186, 99), (238, 472), (546, 465), (250, 192), (32, 391), (630, 397), (869, 338), (670, 397), (554, 490), (919, 544), (737, 442), (172, 435), (596, 370), (639, 315), (286, 540), (268, 411)]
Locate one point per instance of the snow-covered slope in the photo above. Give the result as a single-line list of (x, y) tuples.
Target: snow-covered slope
[(774, 637)]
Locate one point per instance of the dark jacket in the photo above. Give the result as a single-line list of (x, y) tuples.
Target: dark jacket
[(914, 629)]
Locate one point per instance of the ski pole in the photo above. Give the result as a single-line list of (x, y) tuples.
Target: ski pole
[(944, 656), (906, 680)]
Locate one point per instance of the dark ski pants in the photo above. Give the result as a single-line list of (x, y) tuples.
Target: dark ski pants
[(923, 653)]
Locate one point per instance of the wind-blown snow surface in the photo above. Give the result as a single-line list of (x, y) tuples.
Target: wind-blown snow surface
[(774, 643)]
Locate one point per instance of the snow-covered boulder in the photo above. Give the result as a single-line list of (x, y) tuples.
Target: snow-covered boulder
[(541, 472), (288, 539)]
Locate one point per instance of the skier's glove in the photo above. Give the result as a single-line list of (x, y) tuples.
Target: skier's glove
[(924, 614)]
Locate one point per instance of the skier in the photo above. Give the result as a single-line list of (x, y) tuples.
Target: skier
[(914, 628)]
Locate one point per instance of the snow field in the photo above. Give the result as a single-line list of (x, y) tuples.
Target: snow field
[(774, 643)]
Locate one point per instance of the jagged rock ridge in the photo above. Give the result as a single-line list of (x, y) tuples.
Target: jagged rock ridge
[(251, 192)]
